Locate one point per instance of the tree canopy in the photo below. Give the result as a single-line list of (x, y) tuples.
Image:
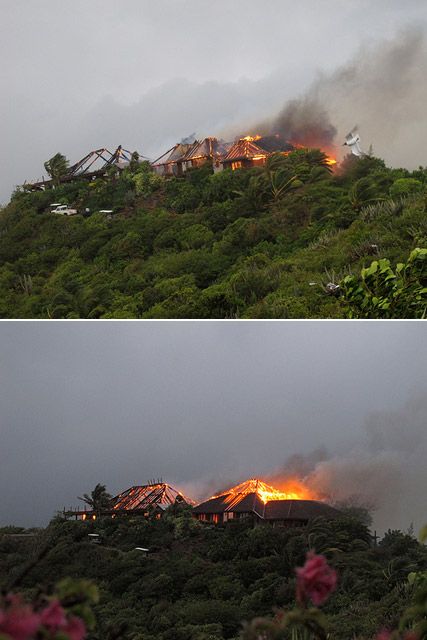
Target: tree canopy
[(56, 167), (98, 500), (202, 582), (258, 243)]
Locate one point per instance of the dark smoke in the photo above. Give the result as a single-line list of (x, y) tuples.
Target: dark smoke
[(302, 465), (306, 122), (386, 471), (383, 90)]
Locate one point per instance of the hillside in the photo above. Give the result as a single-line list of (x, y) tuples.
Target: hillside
[(200, 582), (256, 243)]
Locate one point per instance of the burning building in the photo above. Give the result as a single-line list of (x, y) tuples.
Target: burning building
[(253, 151), (250, 151), (260, 503), (185, 156), (207, 150), (247, 152), (253, 501), (171, 162), (244, 153), (139, 500), (142, 498)]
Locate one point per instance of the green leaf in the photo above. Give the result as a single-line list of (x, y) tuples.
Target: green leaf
[(372, 269)]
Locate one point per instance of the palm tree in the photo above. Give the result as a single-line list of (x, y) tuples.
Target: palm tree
[(99, 500), (56, 167), (363, 192), (317, 158), (281, 176)]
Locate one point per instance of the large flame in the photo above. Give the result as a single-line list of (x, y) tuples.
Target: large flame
[(291, 489), (331, 161), (329, 152)]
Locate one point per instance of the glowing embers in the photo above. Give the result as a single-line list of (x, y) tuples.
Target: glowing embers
[(144, 496), (330, 161), (330, 152), (290, 490), (252, 138), (244, 153)]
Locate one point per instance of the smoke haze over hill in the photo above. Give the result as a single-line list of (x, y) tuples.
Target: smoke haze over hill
[(383, 78)]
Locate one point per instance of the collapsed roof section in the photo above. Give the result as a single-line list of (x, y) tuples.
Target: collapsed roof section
[(207, 148), (142, 497), (183, 156), (94, 164), (244, 149), (141, 500), (275, 143), (174, 154), (256, 148), (99, 160)]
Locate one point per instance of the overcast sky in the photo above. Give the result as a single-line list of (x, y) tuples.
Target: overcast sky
[(206, 403), (81, 75)]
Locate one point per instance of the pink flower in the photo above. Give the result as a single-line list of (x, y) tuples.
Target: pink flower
[(75, 629), (53, 616), (386, 634), (315, 580), (18, 621)]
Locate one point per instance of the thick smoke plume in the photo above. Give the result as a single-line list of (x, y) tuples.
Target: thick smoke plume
[(385, 471), (306, 122), (382, 90)]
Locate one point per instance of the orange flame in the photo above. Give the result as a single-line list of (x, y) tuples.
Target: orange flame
[(329, 153), (331, 160), (291, 489), (252, 138)]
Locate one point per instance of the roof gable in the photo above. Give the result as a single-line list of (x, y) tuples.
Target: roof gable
[(244, 150), (145, 496)]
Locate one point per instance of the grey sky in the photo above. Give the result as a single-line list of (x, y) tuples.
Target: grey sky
[(203, 404), (81, 75)]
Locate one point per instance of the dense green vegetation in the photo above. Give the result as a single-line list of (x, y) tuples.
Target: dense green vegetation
[(200, 582), (258, 243)]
